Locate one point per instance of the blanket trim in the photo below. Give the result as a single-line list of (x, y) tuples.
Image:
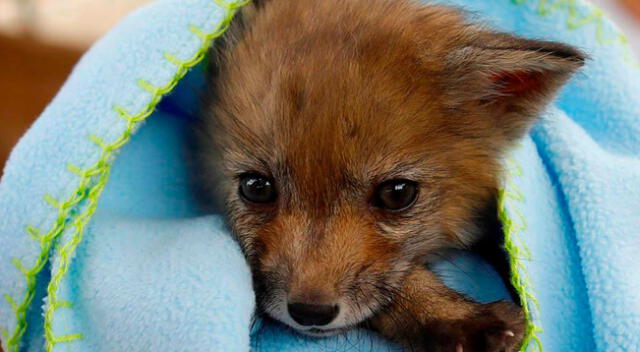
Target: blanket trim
[(518, 251), (596, 16), (90, 190), (508, 197), (68, 249)]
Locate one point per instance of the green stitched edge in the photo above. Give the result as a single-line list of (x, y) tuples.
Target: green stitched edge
[(68, 250), (597, 17), (517, 250), (90, 189), (510, 194)]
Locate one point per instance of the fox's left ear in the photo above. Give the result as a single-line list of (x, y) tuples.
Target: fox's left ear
[(508, 77)]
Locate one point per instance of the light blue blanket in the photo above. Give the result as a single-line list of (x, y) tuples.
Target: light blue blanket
[(135, 267)]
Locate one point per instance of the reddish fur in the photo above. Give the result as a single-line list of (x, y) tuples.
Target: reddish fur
[(330, 98)]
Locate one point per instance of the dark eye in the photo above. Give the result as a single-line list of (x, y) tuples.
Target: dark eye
[(257, 188), (396, 195)]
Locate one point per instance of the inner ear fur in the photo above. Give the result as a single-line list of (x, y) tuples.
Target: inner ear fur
[(508, 77)]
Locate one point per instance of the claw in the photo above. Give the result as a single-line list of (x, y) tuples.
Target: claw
[(509, 333)]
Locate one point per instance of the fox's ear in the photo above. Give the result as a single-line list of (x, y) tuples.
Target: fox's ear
[(508, 77)]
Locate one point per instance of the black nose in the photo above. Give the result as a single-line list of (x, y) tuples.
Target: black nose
[(312, 314)]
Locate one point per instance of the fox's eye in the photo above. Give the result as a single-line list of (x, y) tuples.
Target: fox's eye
[(256, 188), (395, 195)]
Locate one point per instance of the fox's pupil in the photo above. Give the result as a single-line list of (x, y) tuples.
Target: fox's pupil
[(257, 189), (396, 195)]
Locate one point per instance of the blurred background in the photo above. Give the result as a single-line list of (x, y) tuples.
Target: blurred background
[(40, 41)]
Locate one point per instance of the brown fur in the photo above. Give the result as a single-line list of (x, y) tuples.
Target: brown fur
[(329, 99)]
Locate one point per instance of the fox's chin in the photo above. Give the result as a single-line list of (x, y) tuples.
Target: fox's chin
[(313, 330), (319, 332)]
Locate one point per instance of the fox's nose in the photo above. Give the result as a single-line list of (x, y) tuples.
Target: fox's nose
[(312, 314)]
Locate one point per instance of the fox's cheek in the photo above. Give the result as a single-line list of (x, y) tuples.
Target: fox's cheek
[(416, 239)]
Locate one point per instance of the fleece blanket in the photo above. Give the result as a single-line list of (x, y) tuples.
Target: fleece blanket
[(103, 249)]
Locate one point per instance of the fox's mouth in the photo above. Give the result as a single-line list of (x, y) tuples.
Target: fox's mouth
[(319, 332)]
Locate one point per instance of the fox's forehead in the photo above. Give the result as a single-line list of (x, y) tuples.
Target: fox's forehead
[(352, 123)]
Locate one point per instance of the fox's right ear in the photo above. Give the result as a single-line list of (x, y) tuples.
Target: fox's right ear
[(509, 77)]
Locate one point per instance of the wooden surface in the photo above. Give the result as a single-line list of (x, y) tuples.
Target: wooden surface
[(634, 6), (32, 73)]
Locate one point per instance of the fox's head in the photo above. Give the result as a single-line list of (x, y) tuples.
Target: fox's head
[(351, 139)]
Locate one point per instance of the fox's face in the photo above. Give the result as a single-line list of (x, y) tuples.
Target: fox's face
[(353, 139)]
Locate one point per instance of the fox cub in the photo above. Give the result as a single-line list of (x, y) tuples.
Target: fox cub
[(352, 139)]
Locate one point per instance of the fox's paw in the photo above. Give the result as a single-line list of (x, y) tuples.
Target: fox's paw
[(495, 327)]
